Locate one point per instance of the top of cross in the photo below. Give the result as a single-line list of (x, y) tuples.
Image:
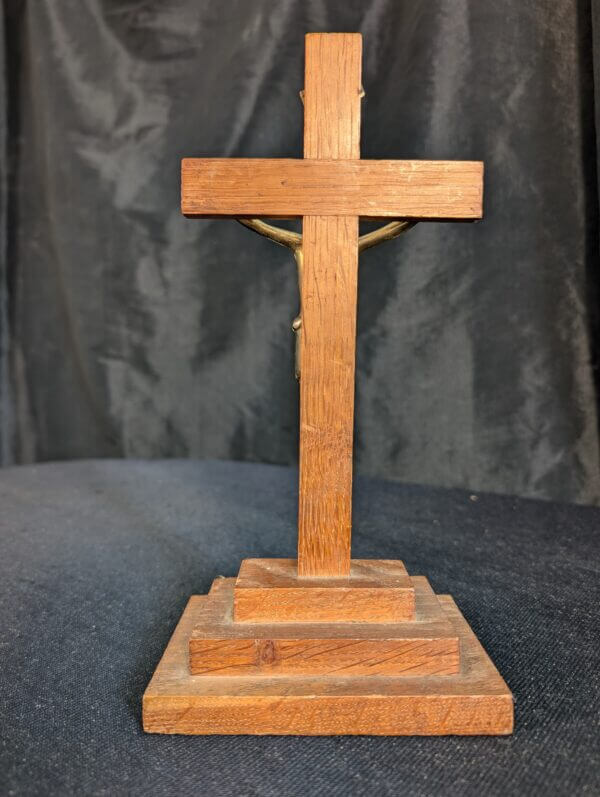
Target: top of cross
[(331, 179)]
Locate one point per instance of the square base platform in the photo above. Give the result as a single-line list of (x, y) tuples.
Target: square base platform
[(475, 701)]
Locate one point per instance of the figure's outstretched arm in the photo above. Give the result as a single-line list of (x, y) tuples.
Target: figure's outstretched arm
[(293, 240), (385, 233)]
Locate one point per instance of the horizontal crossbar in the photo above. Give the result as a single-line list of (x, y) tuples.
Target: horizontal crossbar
[(287, 188)]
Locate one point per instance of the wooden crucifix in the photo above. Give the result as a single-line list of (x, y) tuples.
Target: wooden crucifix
[(331, 188), (302, 622)]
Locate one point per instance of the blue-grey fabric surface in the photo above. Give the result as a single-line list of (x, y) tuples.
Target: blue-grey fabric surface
[(135, 332), (98, 559)]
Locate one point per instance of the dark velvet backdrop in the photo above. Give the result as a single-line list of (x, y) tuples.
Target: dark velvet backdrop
[(127, 330)]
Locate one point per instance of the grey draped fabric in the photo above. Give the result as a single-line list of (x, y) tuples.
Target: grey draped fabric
[(137, 333)]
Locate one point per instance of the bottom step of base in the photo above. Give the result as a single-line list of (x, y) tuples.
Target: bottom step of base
[(476, 701)]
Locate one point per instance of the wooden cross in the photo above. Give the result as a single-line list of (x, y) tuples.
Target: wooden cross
[(322, 645), (331, 189)]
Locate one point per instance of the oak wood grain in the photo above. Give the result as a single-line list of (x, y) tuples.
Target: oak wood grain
[(375, 591), (324, 656), (332, 95), (332, 92), (220, 645), (474, 701), (328, 344), (429, 620), (371, 189)]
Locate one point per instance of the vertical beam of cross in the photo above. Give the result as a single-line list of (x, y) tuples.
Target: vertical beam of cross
[(332, 92)]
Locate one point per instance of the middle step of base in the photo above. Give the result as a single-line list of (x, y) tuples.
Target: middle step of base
[(427, 645)]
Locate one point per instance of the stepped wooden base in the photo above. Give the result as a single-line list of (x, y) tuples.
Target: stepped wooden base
[(427, 645), (474, 700), (270, 591)]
